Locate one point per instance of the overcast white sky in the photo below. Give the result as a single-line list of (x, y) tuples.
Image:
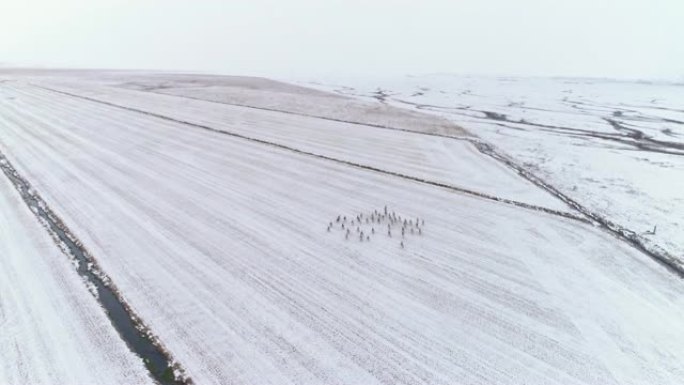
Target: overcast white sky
[(614, 38)]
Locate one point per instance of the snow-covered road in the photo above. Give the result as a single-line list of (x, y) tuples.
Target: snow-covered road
[(220, 245)]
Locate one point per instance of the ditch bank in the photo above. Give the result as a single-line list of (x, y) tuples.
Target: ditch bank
[(137, 336)]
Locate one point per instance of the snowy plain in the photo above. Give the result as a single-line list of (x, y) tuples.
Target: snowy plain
[(438, 159), (615, 146), (220, 243)]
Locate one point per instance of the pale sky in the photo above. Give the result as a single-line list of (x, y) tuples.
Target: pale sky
[(608, 38)]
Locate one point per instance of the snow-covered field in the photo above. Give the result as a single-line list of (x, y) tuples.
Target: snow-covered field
[(615, 146), (52, 331), (441, 160), (212, 221)]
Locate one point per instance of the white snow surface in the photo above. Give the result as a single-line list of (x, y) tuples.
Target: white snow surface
[(551, 125), (257, 92), (220, 245), (52, 330), (434, 158)]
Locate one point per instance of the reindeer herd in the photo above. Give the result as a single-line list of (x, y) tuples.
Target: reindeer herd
[(366, 226)]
